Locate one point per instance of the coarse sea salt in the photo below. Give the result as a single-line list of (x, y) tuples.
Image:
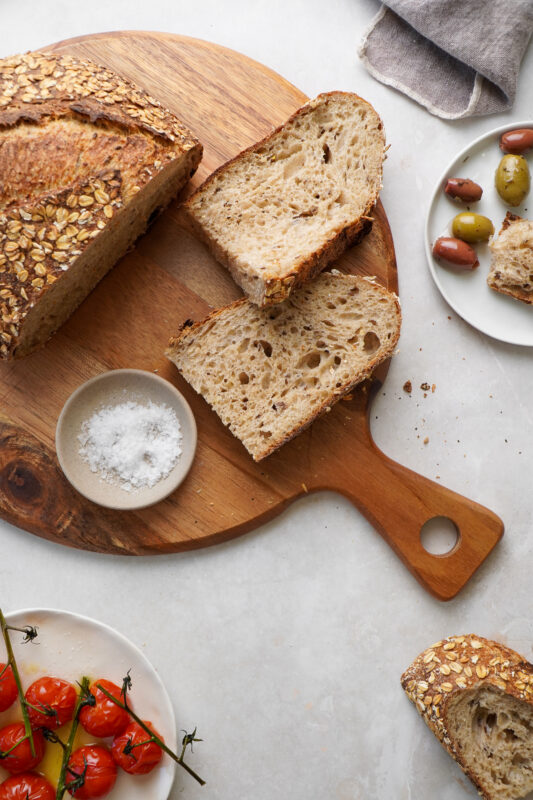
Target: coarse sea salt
[(133, 445)]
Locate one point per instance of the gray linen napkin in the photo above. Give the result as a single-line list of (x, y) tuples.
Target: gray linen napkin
[(458, 58)]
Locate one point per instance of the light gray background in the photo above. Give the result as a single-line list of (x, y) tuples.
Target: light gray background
[(286, 646)]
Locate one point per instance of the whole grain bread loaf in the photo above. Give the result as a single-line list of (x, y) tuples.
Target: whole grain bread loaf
[(269, 372), (281, 211), (511, 269), (477, 697), (86, 158)]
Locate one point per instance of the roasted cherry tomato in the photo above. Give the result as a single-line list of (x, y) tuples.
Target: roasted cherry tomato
[(104, 718), (133, 750), (93, 767), (8, 687), (20, 758), (51, 702), (27, 786)]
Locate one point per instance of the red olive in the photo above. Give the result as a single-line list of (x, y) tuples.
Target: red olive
[(456, 252), (463, 189), (517, 142)]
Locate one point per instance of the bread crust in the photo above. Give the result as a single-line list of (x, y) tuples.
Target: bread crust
[(77, 143), (189, 329), (276, 289), (458, 664), (517, 292)]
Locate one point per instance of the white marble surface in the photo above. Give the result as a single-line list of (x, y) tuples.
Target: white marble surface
[(285, 647)]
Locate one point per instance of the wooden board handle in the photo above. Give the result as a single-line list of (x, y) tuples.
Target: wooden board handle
[(403, 501)]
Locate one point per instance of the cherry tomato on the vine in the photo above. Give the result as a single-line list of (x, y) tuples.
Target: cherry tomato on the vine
[(27, 786), (105, 718), (98, 768), (134, 752), (51, 702), (8, 687), (20, 759)]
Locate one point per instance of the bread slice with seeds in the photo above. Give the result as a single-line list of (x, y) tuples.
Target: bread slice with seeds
[(477, 697), (269, 372), (511, 270), (281, 211), (86, 158)]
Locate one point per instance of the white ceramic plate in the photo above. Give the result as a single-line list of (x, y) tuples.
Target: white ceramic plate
[(71, 646), (495, 314)]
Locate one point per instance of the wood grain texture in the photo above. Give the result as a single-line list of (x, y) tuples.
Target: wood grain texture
[(229, 102)]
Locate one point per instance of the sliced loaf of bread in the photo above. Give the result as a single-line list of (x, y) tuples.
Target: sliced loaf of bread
[(477, 697), (281, 211), (269, 372), (86, 159), (511, 270)]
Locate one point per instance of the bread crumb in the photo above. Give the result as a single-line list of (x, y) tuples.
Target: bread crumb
[(433, 387), (304, 487), (408, 387), (426, 440), (425, 386)]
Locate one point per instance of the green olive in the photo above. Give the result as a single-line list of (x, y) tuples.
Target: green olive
[(512, 179), (472, 227)]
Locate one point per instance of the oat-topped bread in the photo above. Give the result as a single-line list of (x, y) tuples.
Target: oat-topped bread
[(511, 270), (269, 372), (282, 210), (86, 158), (477, 697)]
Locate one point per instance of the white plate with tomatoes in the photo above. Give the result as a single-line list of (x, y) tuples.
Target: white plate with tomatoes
[(69, 647), (466, 291)]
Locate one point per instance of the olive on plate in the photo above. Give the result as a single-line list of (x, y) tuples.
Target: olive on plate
[(463, 189), (455, 252), (517, 142), (512, 179), (472, 227)]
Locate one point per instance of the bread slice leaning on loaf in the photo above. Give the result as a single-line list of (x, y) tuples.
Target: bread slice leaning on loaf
[(477, 697), (86, 158), (281, 211), (511, 270), (269, 372)]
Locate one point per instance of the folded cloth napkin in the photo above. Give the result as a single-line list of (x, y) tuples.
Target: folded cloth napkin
[(458, 58)]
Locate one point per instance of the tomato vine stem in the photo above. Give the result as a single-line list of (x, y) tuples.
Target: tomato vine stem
[(178, 759), (67, 748), (11, 660)]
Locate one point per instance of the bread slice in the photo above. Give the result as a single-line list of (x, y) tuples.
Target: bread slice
[(86, 159), (511, 270), (477, 697), (268, 373), (282, 210)]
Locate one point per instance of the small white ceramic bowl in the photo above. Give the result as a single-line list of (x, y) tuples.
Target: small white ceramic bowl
[(112, 388)]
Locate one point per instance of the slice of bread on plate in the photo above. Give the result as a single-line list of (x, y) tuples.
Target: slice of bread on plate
[(86, 158), (269, 372), (477, 697), (511, 270), (285, 208)]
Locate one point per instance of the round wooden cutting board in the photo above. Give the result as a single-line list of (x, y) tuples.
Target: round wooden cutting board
[(229, 102)]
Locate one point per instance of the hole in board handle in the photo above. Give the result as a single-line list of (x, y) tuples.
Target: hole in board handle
[(439, 536)]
